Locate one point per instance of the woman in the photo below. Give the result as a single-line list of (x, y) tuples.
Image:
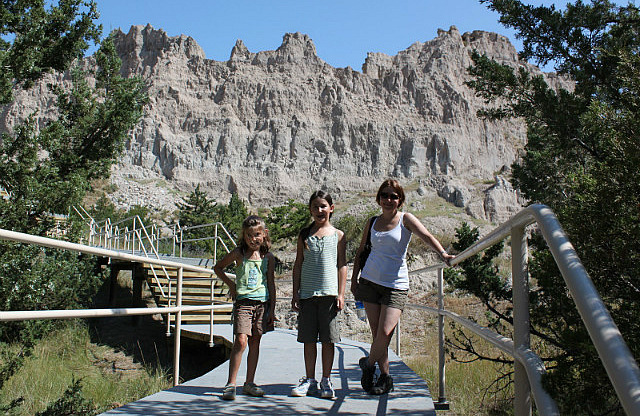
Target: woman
[(384, 282)]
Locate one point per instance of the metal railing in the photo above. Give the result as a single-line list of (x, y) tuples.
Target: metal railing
[(179, 237), (141, 238), (616, 357), (146, 240), (95, 313)]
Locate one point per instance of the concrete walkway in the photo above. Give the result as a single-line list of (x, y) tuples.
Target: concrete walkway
[(280, 366)]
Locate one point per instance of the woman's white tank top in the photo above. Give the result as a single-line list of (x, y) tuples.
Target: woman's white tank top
[(387, 263)]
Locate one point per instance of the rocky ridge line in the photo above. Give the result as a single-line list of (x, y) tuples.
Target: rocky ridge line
[(274, 125)]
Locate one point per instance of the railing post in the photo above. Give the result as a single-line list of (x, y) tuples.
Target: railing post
[(173, 241), (442, 403), (215, 243), (136, 236), (157, 229), (521, 338), (168, 306), (181, 237), (176, 334), (213, 284)]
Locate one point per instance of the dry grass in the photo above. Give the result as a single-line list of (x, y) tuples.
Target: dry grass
[(69, 354), (469, 387)]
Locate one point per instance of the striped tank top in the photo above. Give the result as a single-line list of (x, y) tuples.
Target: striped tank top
[(319, 276)]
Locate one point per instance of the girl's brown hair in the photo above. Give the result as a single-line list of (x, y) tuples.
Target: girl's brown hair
[(250, 222), (391, 183), (304, 233)]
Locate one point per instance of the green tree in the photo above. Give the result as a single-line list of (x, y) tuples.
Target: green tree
[(103, 209), (581, 159), (232, 214), (140, 212), (48, 165), (286, 221), (198, 209), (36, 39), (81, 143), (72, 402), (10, 363), (479, 274)]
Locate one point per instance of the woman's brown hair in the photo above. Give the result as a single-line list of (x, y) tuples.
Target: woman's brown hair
[(391, 183)]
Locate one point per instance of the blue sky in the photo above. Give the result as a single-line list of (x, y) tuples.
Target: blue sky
[(343, 31)]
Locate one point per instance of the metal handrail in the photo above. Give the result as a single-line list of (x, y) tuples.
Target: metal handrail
[(616, 357), (113, 236), (101, 252), (127, 240), (6, 316)]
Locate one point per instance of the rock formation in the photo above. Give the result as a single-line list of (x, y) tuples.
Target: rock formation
[(274, 125)]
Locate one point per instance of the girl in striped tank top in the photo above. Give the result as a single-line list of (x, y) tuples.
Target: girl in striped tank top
[(319, 281)]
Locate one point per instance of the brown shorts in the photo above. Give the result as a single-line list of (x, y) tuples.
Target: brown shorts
[(251, 317), (374, 293), (318, 320)]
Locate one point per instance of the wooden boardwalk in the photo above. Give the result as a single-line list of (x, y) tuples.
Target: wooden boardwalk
[(280, 366)]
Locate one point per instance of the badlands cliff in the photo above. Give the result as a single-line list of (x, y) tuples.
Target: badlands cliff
[(273, 125)]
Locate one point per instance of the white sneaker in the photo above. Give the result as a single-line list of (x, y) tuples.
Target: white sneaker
[(305, 387), (326, 389)]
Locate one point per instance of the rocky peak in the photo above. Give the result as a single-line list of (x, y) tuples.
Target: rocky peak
[(496, 46), (143, 46), (240, 53), (296, 47)]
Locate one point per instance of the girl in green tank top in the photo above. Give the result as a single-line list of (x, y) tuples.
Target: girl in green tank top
[(254, 295)]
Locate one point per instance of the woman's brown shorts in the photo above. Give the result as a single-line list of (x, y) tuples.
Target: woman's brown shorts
[(374, 293)]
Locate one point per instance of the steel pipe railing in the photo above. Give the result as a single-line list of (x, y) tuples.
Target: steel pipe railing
[(6, 316), (92, 313), (616, 357)]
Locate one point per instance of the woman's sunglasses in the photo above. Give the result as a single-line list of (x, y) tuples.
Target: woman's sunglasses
[(393, 197)]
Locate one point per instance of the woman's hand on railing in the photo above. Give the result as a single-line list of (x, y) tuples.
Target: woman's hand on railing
[(446, 257)]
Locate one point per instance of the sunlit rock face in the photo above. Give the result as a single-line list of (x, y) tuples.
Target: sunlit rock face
[(273, 125)]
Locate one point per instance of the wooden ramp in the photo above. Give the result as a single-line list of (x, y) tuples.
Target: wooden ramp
[(281, 365)]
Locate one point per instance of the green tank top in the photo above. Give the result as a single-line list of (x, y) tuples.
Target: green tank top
[(251, 280)]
